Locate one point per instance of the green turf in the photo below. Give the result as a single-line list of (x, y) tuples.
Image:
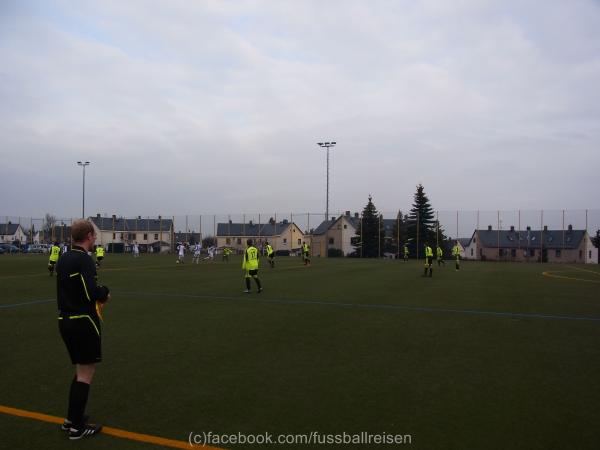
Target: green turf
[(343, 346)]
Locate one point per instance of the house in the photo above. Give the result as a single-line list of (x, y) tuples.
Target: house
[(335, 234), (569, 246), (11, 232), (283, 236), (117, 234), (463, 243)]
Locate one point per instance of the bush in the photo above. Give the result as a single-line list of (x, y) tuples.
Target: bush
[(335, 253)]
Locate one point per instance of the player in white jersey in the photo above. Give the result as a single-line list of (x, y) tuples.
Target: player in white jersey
[(136, 250), (197, 251), (181, 249)]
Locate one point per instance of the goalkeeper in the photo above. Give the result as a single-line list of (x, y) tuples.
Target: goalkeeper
[(80, 302)]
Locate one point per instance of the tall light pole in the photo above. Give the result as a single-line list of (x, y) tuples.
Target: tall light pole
[(327, 145), (83, 164)]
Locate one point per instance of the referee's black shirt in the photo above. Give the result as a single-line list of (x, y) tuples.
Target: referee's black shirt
[(76, 287)]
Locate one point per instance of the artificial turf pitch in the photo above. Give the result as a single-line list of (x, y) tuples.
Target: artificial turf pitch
[(493, 356)]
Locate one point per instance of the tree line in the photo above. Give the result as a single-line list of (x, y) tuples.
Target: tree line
[(412, 229)]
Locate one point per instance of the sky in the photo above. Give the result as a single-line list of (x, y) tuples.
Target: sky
[(216, 107)]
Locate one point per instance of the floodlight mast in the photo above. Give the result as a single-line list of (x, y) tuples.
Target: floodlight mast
[(83, 164), (327, 145)]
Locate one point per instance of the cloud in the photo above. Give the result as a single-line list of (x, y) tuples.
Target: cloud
[(485, 103)]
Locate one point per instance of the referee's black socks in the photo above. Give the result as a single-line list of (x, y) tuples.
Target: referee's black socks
[(78, 396)]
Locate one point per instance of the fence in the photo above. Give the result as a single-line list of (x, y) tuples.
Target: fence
[(287, 231)]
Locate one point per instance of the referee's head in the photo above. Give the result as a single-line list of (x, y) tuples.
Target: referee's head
[(83, 234)]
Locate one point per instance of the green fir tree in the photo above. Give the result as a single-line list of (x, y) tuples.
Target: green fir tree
[(421, 224), (371, 233)]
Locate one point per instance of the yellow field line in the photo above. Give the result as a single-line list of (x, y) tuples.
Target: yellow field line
[(123, 434), (551, 275)]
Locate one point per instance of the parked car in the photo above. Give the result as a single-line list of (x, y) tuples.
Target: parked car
[(35, 248), (9, 248)]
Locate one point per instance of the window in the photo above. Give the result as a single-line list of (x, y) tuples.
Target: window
[(331, 240), (134, 236), (299, 241), (285, 240), (228, 241), (145, 236), (532, 252), (471, 252), (345, 226), (580, 254), (155, 235), (513, 252), (590, 254), (557, 253), (239, 240), (474, 239), (114, 235)]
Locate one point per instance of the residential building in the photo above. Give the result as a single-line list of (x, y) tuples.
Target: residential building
[(11, 232), (283, 235), (118, 234), (569, 246), (336, 233)]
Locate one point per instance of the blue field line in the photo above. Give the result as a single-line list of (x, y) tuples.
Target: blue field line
[(375, 306), (33, 302)]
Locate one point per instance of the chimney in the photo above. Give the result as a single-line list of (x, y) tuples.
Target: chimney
[(159, 217), (139, 217), (250, 223), (347, 213), (545, 227), (356, 215), (512, 228), (230, 222), (114, 216), (285, 221), (528, 228), (489, 228), (333, 218), (570, 227), (98, 215)]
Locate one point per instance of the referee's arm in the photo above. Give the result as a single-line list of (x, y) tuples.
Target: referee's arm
[(93, 290)]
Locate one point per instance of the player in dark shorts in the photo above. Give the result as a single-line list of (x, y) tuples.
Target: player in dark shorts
[(80, 303), (428, 259)]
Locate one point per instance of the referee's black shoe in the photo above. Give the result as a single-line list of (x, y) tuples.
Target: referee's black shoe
[(89, 429), (66, 426)]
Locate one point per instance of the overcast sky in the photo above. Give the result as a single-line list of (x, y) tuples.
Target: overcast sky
[(216, 106)]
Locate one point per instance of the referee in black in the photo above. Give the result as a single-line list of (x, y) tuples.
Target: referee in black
[(80, 301)]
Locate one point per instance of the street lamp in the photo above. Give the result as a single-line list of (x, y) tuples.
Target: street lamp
[(327, 145), (83, 164)]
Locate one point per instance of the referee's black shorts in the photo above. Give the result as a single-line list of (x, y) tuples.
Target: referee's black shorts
[(81, 335), (428, 260)]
